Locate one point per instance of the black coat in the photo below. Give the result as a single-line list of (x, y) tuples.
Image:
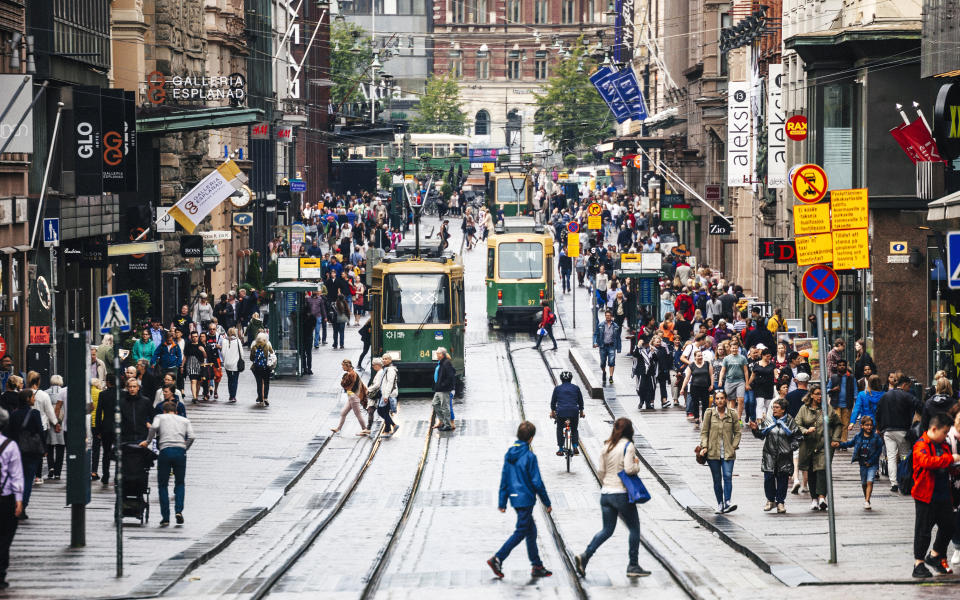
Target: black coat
[(106, 406), (446, 378), (135, 413), (664, 362)]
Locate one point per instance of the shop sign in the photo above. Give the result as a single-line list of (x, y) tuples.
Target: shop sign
[(776, 141), (765, 248), (713, 192), (797, 128), (676, 214), (167, 89), (23, 137), (191, 246), (720, 226), (784, 253), (739, 134), (39, 334), (946, 121)]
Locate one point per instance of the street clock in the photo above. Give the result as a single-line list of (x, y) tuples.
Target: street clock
[(242, 197)]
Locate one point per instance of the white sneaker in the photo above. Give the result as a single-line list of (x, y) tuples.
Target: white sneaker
[(866, 505), (719, 510), (956, 557), (814, 505)]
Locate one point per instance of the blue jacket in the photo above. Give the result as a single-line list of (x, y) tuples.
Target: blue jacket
[(168, 359), (598, 336), (873, 445), (866, 406), (567, 400), (520, 479)]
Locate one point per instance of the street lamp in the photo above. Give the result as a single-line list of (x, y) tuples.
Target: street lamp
[(211, 257)]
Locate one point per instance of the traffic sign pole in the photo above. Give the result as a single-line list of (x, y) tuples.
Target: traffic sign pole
[(828, 451)]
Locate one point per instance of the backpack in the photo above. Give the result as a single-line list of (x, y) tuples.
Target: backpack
[(905, 474), (552, 318), (260, 359), (677, 364)]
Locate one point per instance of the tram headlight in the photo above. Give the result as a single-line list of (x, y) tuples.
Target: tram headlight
[(393, 354), (541, 294), (499, 297)]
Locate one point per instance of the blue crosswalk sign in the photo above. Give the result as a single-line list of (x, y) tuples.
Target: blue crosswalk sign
[(953, 259), (51, 232), (114, 312)]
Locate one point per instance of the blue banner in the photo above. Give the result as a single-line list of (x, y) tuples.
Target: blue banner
[(605, 81), (632, 95)]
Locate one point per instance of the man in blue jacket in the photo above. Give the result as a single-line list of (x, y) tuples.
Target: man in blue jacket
[(521, 482), (567, 404)]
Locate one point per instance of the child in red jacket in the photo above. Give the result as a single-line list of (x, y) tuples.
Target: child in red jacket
[(932, 497)]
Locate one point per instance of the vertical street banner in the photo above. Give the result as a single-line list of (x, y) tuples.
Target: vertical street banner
[(85, 140), (207, 195), (739, 135), (623, 31), (113, 121), (130, 141), (776, 133), (603, 80), (629, 89)]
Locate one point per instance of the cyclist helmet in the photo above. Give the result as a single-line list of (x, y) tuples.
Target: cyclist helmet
[(566, 376)]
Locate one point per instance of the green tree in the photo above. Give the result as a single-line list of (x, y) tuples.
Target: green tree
[(385, 180), (350, 57), (571, 111), (440, 108)]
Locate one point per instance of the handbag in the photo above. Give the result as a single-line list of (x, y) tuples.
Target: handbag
[(240, 364), (636, 492), (29, 442), (701, 458)]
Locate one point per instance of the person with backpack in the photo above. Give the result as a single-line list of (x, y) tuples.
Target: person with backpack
[(545, 326), (895, 413), (941, 401), (262, 361), (520, 481), (26, 427), (619, 456), (867, 448), (11, 495), (382, 392), (933, 503), (356, 398)]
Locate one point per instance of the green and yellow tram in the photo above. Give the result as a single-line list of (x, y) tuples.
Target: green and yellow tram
[(520, 271), (512, 193), (418, 305)]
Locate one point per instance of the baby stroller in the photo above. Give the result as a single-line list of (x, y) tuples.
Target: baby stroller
[(136, 481)]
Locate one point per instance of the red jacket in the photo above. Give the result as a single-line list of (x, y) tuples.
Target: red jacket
[(924, 460), (548, 317)]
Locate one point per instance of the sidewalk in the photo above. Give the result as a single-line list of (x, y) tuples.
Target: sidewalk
[(223, 498), (872, 546)]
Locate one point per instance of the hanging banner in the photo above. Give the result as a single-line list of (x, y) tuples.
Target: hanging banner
[(207, 195), (621, 91), (776, 133), (629, 90), (916, 141), (85, 145), (739, 117), (113, 119), (602, 79)]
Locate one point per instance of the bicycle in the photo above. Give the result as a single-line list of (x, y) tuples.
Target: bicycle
[(567, 443)]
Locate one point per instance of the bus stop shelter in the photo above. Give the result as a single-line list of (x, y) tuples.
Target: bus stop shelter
[(283, 323)]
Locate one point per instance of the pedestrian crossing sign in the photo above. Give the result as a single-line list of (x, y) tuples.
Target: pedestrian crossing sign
[(114, 313)]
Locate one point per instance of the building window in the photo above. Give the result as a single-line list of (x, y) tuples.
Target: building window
[(540, 10), (513, 68), (541, 69), (837, 149), (456, 67), (411, 7), (480, 12), (481, 125), (591, 8), (567, 10), (458, 11), (483, 68), (514, 12)]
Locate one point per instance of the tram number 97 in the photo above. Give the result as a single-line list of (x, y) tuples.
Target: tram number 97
[(531, 302)]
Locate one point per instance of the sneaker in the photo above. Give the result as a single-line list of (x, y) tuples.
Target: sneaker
[(814, 505), (866, 505), (94, 477), (796, 488), (823, 503), (576, 451), (266, 402), (232, 401), (540, 571), (896, 488), (494, 564), (37, 481), (768, 506), (781, 509), (560, 452), (580, 564), (164, 523), (921, 572), (719, 510), (179, 517), (956, 557), (729, 508), (636, 571), (611, 380), (50, 474), (939, 564)]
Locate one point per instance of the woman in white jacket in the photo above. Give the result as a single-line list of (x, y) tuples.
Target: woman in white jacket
[(232, 351), (384, 388), (618, 455)]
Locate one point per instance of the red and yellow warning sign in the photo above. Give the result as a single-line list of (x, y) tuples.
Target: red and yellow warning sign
[(594, 209), (810, 184)]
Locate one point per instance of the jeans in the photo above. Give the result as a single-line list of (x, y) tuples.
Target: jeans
[(574, 434), (896, 446), (939, 513), (762, 406), (664, 398), (338, 332), (320, 328), (384, 412), (233, 379), (525, 529), (775, 486), (8, 528), (176, 459), (867, 474), (441, 407), (262, 377), (750, 405), (32, 464), (549, 329), (565, 278), (608, 356), (611, 507), (722, 472), (106, 442), (363, 353)]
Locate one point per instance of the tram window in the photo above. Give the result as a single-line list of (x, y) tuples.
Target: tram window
[(510, 190), (416, 298), (490, 255), (521, 260)]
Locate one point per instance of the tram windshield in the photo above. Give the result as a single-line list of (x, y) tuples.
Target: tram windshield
[(521, 260), (511, 190), (414, 298)]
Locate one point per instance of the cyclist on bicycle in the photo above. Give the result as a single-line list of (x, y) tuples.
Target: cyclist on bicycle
[(567, 403)]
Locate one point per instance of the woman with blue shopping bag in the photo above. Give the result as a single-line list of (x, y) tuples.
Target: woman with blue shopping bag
[(620, 492)]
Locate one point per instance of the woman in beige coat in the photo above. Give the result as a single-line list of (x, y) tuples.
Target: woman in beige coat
[(618, 455), (719, 440)]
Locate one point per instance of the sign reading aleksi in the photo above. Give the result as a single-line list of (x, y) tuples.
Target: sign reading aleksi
[(103, 149)]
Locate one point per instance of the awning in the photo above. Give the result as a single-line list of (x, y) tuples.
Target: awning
[(213, 118), (944, 208)]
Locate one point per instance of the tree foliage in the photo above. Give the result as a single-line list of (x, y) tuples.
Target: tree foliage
[(571, 111), (350, 56), (440, 108)]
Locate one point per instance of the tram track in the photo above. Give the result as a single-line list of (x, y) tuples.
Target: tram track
[(680, 578)]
